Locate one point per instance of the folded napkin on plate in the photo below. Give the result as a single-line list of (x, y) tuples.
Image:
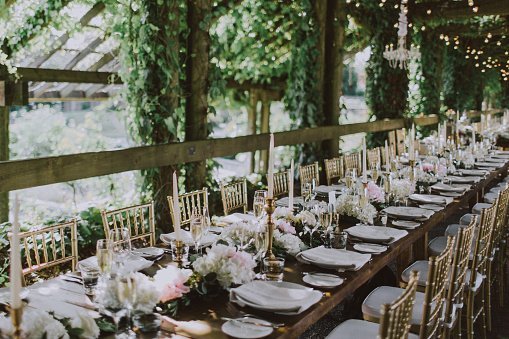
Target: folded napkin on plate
[(448, 188), (496, 160), (188, 240), (324, 190), (376, 233), (276, 297), (335, 258), (431, 199), (489, 165), (237, 217), (469, 172), (133, 263), (468, 179)]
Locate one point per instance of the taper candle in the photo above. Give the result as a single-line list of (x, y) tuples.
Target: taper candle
[(15, 269), (290, 186), (364, 161), (270, 173), (176, 207)]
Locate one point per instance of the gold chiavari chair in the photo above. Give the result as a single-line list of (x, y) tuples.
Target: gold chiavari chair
[(394, 323), (353, 160), (501, 259), (425, 319), (373, 157), (139, 219), (307, 173), (187, 202), (48, 247), (234, 196), (400, 140), (475, 294), (281, 183), (392, 142), (333, 169)]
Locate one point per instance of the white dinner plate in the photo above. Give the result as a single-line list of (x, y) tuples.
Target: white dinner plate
[(411, 213), (208, 240), (432, 207), (241, 329), (370, 248), (405, 224), (148, 252), (322, 280), (429, 199), (451, 194)]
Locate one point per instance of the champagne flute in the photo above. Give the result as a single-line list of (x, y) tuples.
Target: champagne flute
[(325, 223), (306, 191), (206, 220), (350, 177), (126, 293), (196, 226), (261, 243), (375, 172), (104, 256), (120, 239), (259, 203)]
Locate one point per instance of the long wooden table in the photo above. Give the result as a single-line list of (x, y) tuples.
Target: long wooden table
[(411, 247)]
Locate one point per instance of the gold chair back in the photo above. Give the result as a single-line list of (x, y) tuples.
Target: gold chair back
[(458, 276), (139, 219), (373, 157), (392, 143), (333, 169), (438, 270), (400, 140), (309, 172), (353, 160), (395, 320), (49, 246), (281, 183), (187, 202), (234, 196)]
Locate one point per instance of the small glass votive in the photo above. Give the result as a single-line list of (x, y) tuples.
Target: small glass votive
[(147, 323), (338, 240), (184, 254), (90, 276), (273, 269)]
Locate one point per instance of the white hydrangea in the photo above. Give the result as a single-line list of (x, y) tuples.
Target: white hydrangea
[(291, 243), (402, 188), (36, 324), (88, 325), (351, 206)]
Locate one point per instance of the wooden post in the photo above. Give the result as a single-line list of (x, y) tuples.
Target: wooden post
[(265, 128), (320, 10), (198, 47), (333, 69), (4, 156), (251, 122)]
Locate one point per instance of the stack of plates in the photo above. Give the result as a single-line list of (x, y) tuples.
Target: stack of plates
[(206, 241), (408, 213), (133, 263), (278, 297), (323, 190), (150, 253), (322, 280), (332, 258), (488, 165), (430, 199), (463, 180), (405, 224), (496, 160), (376, 234), (238, 217), (369, 248), (440, 187), (469, 172)]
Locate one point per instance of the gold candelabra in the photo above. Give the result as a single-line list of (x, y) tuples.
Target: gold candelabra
[(179, 253), (16, 315), (412, 169), (273, 265)]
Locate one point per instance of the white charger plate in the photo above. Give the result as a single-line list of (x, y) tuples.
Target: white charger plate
[(369, 248), (239, 329), (148, 252), (405, 224), (322, 280)]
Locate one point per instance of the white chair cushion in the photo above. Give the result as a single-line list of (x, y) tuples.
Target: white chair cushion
[(358, 329), (437, 245), (479, 207), (490, 197), (420, 266), (496, 189), (465, 220), (453, 229), (385, 295)]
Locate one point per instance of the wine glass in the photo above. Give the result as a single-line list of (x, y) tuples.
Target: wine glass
[(196, 227), (126, 293), (259, 203), (325, 223), (375, 172), (120, 239), (206, 220), (306, 191), (350, 177), (104, 256), (261, 242), (313, 190)]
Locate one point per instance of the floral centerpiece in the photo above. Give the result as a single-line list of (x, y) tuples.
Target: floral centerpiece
[(375, 193), (402, 188), (351, 206)]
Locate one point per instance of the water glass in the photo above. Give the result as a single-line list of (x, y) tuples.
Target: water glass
[(126, 293), (196, 226), (306, 191), (120, 239), (185, 252), (273, 269), (339, 240), (90, 276)]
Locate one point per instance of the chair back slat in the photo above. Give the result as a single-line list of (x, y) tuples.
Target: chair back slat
[(459, 272), (234, 196), (35, 243), (400, 141), (395, 320), (392, 142), (373, 157), (140, 232), (308, 173), (353, 160), (187, 202), (333, 169), (438, 270), (281, 183)]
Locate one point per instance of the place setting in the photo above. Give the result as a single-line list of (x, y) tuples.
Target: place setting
[(408, 213)]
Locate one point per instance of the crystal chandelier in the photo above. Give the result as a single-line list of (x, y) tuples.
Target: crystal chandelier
[(401, 56)]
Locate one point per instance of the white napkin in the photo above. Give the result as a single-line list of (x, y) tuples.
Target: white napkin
[(133, 263), (469, 179), (376, 233), (431, 199), (237, 217), (275, 296), (337, 258), (447, 188)]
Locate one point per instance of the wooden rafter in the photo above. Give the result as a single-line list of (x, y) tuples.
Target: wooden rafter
[(59, 75), (87, 17)]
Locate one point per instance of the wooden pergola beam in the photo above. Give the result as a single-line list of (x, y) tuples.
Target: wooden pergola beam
[(18, 174), (85, 19), (59, 75), (461, 10)]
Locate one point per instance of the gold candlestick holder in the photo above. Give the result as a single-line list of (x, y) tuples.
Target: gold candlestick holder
[(270, 208), (412, 170), (364, 197), (16, 315), (273, 265), (179, 253)]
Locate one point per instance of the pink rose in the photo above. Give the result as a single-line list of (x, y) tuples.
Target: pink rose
[(171, 282), (375, 193), (285, 227), (427, 167)]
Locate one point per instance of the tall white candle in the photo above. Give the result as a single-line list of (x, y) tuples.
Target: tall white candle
[(473, 136), (290, 186), (15, 271), (364, 161), (387, 157), (270, 174), (176, 207), (411, 143)]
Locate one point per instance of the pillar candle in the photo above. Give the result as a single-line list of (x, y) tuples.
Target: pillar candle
[(176, 207), (290, 186), (270, 173), (364, 161), (387, 157), (15, 269)]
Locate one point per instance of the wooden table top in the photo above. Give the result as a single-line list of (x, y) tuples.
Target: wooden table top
[(210, 311)]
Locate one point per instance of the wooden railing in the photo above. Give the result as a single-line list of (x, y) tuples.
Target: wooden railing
[(18, 174)]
